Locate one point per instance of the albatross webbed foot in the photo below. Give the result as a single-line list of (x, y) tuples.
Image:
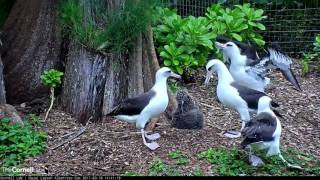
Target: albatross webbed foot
[(153, 145), (255, 160), (152, 137), (232, 134)]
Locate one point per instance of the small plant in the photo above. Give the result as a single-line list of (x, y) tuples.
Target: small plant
[(18, 142), (34, 120), (180, 158), (227, 162), (51, 78), (234, 162), (160, 168), (312, 58)]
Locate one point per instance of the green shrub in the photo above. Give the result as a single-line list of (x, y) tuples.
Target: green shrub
[(184, 43), (312, 58), (18, 142), (240, 23)]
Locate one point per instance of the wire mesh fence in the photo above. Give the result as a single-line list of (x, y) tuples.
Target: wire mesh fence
[(291, 24)]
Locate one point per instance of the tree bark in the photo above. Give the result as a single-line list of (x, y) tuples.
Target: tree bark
[(2, 89), (31, 45), (84, 83)]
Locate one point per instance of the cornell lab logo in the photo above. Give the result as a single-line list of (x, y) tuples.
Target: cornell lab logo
[(17, 170)]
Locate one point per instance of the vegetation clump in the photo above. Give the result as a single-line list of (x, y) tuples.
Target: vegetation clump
[(184, 43), (104, 29), (18, 142), (312, 58)]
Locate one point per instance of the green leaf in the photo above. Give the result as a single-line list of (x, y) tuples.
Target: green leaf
[(258, 13), (176, 62), (260, 26), (260, 42), (179, 70), (167, 63), (165, 55), (236, 36)]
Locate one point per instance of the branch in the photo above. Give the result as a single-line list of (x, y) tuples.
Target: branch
[(71, 138), (51, 104)]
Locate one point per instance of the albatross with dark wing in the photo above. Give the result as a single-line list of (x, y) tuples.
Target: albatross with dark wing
[(251, 71), (141, 108), (232, 94), (263, 131)]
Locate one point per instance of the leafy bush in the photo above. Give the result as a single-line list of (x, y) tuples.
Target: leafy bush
[(51, 78), (240, 23), (317, 44), (312, 58), (184, 43), (18, 142)]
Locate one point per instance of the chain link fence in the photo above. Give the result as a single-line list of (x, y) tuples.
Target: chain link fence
[(292, 24)]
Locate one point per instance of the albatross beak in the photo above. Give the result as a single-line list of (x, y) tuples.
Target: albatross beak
[(175, 75), (208, 77), (220, 45)]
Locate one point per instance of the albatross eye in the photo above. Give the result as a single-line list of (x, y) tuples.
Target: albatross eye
[(229, 45)]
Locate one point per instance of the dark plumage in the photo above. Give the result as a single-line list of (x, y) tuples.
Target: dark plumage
[(133, 106), (187, 115), (259, 129), (251, 96)]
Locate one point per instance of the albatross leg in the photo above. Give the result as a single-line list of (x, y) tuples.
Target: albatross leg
[(152, 137), (253, 159), (152, 145), (288, 164)]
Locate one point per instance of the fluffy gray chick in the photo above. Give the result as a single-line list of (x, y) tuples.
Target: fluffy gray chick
[(187, 115)]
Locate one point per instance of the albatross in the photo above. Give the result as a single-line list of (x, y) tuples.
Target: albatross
[(234, 95), (263, 131), (251, 71), (142, 108)]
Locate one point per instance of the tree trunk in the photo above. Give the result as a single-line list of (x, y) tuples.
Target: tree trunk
[(2, 89), (31, 45), (95, 83), (84, 83)]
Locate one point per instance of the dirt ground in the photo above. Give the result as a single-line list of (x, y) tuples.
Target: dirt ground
[(113, 148)]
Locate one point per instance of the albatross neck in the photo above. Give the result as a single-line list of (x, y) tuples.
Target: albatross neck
[(224, 75), (160, 85)]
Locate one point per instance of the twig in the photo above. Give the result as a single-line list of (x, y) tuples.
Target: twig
[(73, 135), (51, 104), (71, 138), (209, 106)]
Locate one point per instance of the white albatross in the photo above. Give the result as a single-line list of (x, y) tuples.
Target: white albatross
[(251, 71), (142, 108), (263, 131), (234, 95)]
